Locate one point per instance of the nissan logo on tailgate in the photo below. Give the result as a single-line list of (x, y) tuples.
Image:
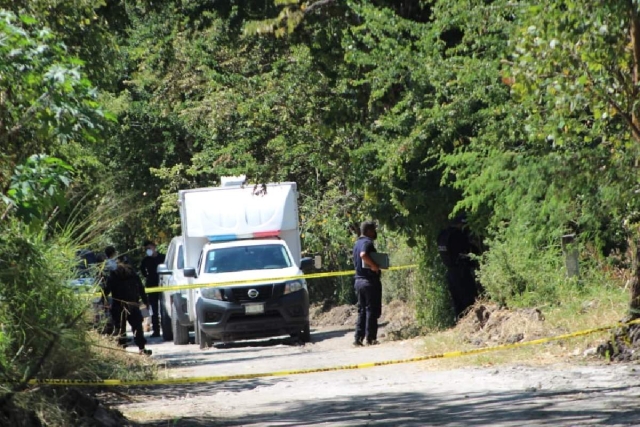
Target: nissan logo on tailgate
[(253, 293)]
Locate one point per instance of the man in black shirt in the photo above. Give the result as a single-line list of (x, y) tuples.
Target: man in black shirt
[(149, 269), (454, 247), (368, 286), (127, 290)]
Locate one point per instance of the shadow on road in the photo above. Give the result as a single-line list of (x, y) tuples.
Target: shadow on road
[(327, 335), (180, 391), (540, 408), (250, 349), (201, 360), (288, 341)]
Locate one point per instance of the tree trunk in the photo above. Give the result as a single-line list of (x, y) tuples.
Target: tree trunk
[(634, 34), (634, 306)]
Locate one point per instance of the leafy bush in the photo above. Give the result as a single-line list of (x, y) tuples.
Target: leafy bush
[(423, 286), (41, 316), (433, 302), (44, 329), (518, 272), (327, 229), (399, 284), (39, 175)]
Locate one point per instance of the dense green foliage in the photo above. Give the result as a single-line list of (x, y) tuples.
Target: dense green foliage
[(50, 124), (44, 317), (523, 115)]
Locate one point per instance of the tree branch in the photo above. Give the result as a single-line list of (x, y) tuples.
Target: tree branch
[(635, 129), (317, 5), (6, 212)]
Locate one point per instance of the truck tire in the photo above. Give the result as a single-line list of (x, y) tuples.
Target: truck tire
[(165, 323), (305, 336), (180, 333), (196, 334), (201, 338)]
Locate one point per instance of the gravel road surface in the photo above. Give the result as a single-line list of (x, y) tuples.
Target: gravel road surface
[(411, 394)]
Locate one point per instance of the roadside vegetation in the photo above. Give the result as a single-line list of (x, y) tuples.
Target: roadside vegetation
[(48, 327), (594, 309), (523, 115)]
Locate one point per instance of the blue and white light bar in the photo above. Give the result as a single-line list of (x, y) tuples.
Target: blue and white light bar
[(231, 237)]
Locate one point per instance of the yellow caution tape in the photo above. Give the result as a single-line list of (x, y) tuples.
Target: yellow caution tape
[(252, 281), (273, 279), (222, 378)]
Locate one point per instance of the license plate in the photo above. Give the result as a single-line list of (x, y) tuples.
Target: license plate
[(254, 308)]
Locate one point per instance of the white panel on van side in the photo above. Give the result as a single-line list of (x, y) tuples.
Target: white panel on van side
[(239, 210)]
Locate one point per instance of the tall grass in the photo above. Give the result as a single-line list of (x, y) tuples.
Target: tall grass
[(38, 313), (45, 325)]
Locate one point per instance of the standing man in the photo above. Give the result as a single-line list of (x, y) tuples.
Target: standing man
[(368, 286), (149, 269), (126, 288), (454, 247)]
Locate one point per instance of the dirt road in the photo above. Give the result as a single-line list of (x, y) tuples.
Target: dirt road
[(397, 395)]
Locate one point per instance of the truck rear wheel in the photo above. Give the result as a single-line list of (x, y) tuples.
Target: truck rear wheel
[(165, 323), (305, 336), (180, 333)]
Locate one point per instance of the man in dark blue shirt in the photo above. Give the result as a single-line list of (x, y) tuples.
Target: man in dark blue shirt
[(368, 286)]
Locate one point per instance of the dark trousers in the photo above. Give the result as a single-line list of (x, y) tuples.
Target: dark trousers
[(116, 310), (154, 302), (131, 313), (369, 308), (462, 287)]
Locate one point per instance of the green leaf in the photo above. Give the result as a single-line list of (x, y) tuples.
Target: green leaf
[(28, 20)]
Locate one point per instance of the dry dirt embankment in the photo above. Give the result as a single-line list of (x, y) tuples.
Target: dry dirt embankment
[(413, 394)]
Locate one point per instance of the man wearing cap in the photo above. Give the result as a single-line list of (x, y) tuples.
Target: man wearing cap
[(454, 247), (368, 286), (149, 269)]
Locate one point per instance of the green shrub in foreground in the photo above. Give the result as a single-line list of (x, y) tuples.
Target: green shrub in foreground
[(44, 331), (40, 315), (433, 301)]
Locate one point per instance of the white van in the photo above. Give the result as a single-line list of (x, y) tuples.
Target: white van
[(247, 238), (174, 304)]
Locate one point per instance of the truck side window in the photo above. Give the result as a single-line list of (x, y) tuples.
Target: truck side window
[(180, 265), (169, 257)]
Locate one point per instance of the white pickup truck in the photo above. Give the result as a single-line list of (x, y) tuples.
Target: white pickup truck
[(248, 235), (174, 305)]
